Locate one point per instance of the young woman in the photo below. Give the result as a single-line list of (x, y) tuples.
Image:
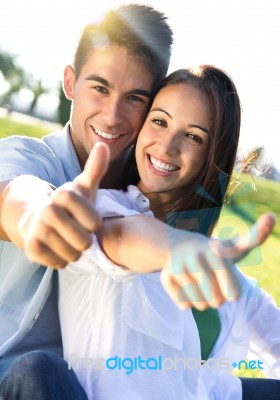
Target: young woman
[(122, 334)]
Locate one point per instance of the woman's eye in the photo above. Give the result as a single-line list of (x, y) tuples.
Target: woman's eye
[(160, 122), (194, 138)]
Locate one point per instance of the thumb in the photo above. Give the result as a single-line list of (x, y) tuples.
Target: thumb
[(96, 166), (257, 235), (254, 237)]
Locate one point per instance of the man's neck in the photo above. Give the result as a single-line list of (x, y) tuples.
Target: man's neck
[(114, 176)]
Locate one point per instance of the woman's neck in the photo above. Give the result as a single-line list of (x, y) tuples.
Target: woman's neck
[(157, 200)]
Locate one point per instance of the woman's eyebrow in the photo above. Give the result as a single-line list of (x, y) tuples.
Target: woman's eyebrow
[(161, 110), (201, 128), (191, 126)]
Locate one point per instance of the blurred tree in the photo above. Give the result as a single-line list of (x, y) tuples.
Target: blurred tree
[(18, 78), (13, 74), (7, 64), (37, 88)]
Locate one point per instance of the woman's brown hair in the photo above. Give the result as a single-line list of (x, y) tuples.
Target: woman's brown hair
[(197, 206)]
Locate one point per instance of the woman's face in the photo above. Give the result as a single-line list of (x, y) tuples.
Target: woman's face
[(173, 143)]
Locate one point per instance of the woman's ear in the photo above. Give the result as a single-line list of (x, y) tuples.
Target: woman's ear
[(69, 82)]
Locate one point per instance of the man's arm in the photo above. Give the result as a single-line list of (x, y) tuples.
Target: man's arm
[(3, 234), (196, 271), (53, 227), (18, 196)]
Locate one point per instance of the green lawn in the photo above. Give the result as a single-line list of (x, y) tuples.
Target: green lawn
[(10, 127), (263, 263), (245, 205)]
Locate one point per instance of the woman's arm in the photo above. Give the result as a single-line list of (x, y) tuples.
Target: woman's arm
[(139, 243), (196, 271)]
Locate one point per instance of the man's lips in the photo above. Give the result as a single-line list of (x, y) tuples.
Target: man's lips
[(105, 135)]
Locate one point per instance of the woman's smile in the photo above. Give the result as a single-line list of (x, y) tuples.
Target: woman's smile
[(160, 167)]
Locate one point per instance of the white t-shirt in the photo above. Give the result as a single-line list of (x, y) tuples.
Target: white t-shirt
[(126, 339)]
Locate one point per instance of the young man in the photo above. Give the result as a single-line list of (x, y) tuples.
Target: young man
[(117, 65)]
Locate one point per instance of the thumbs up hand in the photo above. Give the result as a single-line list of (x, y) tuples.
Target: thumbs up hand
[(60, 228), (96, 166)]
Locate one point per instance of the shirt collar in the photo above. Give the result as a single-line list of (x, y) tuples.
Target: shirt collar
[(61, 144)]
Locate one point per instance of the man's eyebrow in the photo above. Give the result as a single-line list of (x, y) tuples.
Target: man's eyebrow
[(97, 78), (140, 92)]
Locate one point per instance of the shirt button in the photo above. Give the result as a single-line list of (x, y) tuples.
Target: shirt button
[(36, 316)]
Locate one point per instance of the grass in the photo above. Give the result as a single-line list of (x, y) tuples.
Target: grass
[(246, 205), (250, 198), (10, 127)]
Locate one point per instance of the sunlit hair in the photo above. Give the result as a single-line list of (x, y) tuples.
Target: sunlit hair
[(141, 29), (206, 195)]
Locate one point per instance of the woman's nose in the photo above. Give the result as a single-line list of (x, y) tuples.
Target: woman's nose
[(170, 143)]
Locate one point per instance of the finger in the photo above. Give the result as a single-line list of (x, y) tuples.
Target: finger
[(182, 296), (258, 232), (96, 166), (38, 252), (225, 276), (209, 285), (194, 295), (73, 234), (72, 211), (185, 287), (195, 279), (174, 290), (65, 236), (257, 235)]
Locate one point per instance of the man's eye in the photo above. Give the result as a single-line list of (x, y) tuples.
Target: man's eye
[(160, 122), (100, 89), (135, 98)]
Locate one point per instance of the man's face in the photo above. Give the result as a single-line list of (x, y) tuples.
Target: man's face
[(110, 100)]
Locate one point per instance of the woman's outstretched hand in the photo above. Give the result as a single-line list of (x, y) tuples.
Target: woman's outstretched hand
[(200, 272)]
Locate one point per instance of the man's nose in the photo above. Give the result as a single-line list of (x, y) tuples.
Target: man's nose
[(114, 112)]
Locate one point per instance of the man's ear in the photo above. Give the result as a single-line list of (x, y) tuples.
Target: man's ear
[(69, 82)]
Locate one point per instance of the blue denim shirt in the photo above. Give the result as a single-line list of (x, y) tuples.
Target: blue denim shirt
[(25, 286)]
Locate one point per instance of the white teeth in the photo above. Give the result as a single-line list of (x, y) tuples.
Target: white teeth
[(106, 135), (162, 167)]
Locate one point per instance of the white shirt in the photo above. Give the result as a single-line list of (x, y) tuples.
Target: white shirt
[(110, 317)]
